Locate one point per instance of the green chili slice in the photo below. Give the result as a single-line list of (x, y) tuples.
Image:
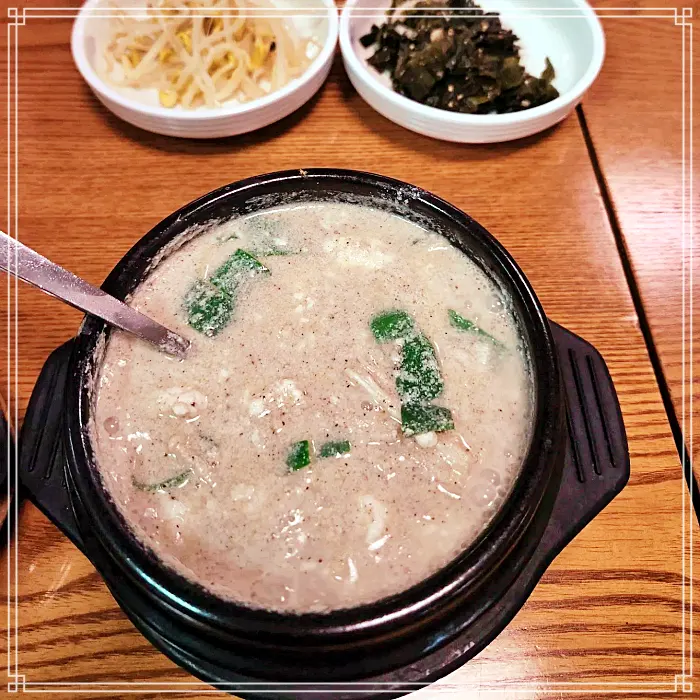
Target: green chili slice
[(419, 418), (334, 448), (419, 377), (464, 324), (299, 455), (391, 325), (208, 309)]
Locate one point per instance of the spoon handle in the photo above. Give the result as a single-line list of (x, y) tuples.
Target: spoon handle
[(26, 264)]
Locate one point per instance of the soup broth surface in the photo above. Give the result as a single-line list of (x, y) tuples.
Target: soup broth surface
[(205, 458)]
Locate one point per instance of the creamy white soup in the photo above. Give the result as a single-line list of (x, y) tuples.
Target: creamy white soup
[(354, 410)]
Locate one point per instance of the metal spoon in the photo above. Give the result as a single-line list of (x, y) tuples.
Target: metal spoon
[(26, 264)]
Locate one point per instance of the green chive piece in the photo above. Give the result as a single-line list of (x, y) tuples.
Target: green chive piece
[(299, 455), (208, 309), (336, 448), (419, 377), (172, 483), (210, 303), (239, 265), (464, 324), (419, 418), (391, 325)]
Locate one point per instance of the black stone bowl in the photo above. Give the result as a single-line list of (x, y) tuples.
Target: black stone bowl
[(576, 463)]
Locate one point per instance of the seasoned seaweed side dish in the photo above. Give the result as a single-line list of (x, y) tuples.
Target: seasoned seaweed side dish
[(451, 56)]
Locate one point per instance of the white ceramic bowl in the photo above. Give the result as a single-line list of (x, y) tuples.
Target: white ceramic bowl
[(143, 110), (566, 31)]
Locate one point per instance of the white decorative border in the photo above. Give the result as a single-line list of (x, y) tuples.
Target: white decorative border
[(681, 683)]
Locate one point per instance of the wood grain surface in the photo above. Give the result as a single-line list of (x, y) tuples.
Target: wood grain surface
[(641, 151), (606, 620), (6, 445)]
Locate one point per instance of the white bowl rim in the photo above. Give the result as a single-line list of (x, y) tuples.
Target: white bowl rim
[(201, 113), (458, 118)]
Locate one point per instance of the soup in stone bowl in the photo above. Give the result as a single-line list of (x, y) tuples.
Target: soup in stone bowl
[(350, 476)]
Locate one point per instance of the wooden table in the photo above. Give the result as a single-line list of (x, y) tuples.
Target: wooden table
[(644, 153), (608, 618)]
